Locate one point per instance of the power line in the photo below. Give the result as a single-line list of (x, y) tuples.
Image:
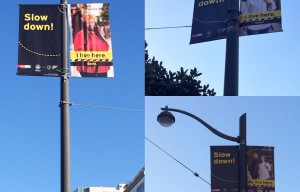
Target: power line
[(105, 107), (166, 27), (194, 173), (198, 20)]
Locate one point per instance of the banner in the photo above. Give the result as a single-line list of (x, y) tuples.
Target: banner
[(260, 16), (40, 40), (209, 20), (90, 44), (256, 17), (260, 173), (224, 168), (260, 168)]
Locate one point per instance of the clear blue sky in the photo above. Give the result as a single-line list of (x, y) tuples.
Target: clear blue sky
[(107, 146), (269, 64), (271, 121)]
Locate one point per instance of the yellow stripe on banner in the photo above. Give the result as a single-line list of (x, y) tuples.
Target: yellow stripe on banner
[(40, 54), (258, 16), (91, 55), (261, 183)]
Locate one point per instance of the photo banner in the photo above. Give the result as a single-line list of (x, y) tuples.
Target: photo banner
[(260, 17), (224, 168), (90, 40), (40, 40), (209, 21), (261, 172)]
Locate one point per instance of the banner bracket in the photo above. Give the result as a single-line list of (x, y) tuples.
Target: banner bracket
[(64, 102)]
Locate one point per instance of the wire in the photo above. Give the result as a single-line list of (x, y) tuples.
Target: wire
[(105, 107), (166, 27), (200, 21), (194, 173)]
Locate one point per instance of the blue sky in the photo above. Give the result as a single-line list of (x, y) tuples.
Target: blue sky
[(268, 64), (107, 145), (271, 121)]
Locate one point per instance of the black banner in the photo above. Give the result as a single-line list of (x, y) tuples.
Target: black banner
[(40, 40), (224, 168), (209, 20)]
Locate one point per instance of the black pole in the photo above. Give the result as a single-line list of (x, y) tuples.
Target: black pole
[(231, 81), (64, 112), (243, 155)]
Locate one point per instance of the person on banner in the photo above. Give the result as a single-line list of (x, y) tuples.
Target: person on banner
[(77, 10), (254, 166), (255, 6), (248, 173), (264, 169), (90, 39)]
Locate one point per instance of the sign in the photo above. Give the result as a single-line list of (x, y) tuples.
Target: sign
[(209, 20), (257, 17), (90, 44), (260, 168), (261, 174), (224, 168), (260, 16), (40, 40)]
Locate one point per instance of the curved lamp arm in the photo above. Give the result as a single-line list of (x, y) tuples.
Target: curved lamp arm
[(216, 132)]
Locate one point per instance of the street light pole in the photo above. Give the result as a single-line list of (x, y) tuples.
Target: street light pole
[(231, 80), (64, 109), (243, 155), (166, 119)]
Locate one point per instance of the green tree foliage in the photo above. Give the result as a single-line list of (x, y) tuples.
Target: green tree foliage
[(160, 82)]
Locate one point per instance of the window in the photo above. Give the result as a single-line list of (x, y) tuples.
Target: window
[(140, 188)]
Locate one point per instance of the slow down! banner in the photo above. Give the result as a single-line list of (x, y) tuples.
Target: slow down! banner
[(224, 168), (209, 20), (40, 40), (90, 49)]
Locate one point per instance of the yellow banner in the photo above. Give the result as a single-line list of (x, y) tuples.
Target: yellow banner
[(261, 183), (91, 56), (259, 16)]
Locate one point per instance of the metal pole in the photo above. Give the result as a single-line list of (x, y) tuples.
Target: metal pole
[(231, 80), (243, 155), (64, 106)]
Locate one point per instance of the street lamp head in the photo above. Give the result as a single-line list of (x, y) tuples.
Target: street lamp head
[(166, 118)]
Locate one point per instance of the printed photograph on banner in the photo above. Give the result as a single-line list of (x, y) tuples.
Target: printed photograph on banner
[(260, 17), (260, 173), (90, 44), (40, 40)]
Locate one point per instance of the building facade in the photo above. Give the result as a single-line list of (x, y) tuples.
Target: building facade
[(138, 183), (119, 188)]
